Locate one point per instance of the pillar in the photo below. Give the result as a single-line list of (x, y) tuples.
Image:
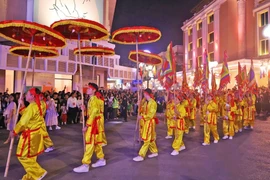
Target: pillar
[(18, 81), (194, 44), (216, 36), (30, 10), (241, 11), (76, 82)]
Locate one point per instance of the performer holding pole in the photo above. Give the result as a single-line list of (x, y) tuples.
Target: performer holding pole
[(31, 141), (92, 132), (149, 128), (169, 114)]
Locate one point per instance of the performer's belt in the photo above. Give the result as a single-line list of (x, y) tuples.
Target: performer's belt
[(94, 125), (27, 133)]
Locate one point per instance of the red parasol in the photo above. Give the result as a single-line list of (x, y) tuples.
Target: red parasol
[(95, 51), (145, 57), (81, 29), (36, 52), (136, 35), (33, 34)]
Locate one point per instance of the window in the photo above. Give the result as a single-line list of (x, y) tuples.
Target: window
[(211, 18), (211, 56), (199, 25), (190, 64), (211, 37), (200, 61), (199, 42), (264, 18), (190, 46), (190, 31), (264, 47)]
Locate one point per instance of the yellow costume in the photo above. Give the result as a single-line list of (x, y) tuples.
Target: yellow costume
[(193, 104), (211, 122), (186, 105), (238, 124), (203, 113), (93, 134), (228, 127), (169, 113), (149, 129), (251, 111), (104, 139), (142, 109), (245, 112), (31, 141), (180, 127)]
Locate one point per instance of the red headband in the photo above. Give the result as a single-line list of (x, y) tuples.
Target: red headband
[(92, 87), (37, 100), (151, 95)]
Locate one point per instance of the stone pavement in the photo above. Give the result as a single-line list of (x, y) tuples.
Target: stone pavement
[(246, 157)]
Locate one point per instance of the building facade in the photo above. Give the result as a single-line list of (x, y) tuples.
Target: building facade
[(61, 71), (235, 26)]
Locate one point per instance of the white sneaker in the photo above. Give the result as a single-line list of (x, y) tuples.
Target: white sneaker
[(57, 127), (49, 149), (174, 153), (225, 137), (153, 155), (138, 158), (50, 128), (205, 144), (240, 130), (251, 127), (99, 163), (182, 148), (230, 137), (168, 137), (215, 141), (81, 169), (45, 173), (103, 145), (194, 127)]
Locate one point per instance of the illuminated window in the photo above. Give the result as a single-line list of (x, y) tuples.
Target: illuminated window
[(190, 64), (211, 37), (190, 46), (199, 61), (211, 18), (199, 42), (199, 25), (190, 31), (264, 47), (211, 56), (263, 18)]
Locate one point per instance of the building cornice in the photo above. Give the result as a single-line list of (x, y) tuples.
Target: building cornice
[(261, 7), (213, 6)]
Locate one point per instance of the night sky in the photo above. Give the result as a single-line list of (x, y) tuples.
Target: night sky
[(166, 15)]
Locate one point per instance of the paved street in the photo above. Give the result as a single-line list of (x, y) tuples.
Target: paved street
[(245, 157)]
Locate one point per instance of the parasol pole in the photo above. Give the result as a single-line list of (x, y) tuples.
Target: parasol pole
[(19, 104), (33, 66), (81, 85)]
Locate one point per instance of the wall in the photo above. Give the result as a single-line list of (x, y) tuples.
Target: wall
[(9, 9), (40, 79), (2, 81), (250, 30)]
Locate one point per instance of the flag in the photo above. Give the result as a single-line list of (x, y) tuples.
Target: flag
[(167, 66), (251, 76), (238, 78), (168, 82), (198, 75), (224, 75), (244, 76), (205, 84), (213, 83), (184, 82)]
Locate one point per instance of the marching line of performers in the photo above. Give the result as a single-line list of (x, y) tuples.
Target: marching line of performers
[(233, 109)]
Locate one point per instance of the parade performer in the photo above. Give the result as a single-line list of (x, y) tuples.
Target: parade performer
[(101, 114), (193, 106), (169, 114), (203, 110), (149, 127), (46, 138), (187, 107), (245, 111), (238, 124), (31, 141), (230, 108), (141, 111), (211, 121), (92, 132), (251, 110), (179, 114)]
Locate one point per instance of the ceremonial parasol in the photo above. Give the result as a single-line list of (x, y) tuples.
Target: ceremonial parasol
[(36, 52), (136, 35), (81, 30), (95, 51), (145, 57), (33, 34)]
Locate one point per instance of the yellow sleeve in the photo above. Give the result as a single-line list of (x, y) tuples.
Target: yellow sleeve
[(212, 107), (234, 108), (23, 122), (182, 111), (151, 111), (92, 110)]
